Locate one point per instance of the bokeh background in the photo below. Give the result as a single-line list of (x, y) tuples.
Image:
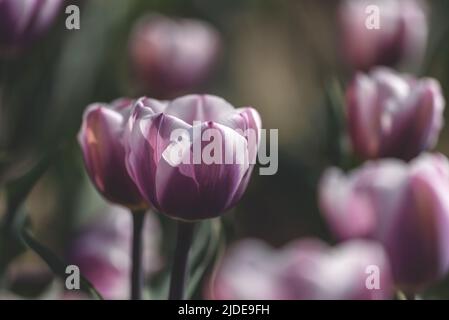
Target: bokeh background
[(282, 57)]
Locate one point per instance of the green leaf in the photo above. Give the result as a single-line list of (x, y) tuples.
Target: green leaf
[(16, 192), (18, 189), (206, 245), (55, 263)]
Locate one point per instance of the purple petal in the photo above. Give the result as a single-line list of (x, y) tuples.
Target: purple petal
[(100, 138)]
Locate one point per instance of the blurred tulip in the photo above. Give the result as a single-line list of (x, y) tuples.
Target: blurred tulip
[(23, 21), (393, 115), (189, 188), (306, 269), (171, 56), (404, 206), (400, 38), (102, 250), (101, 139)]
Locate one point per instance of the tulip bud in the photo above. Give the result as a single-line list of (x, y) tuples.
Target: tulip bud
[(393, 115), (102, 250), (193, 160), (101, 139), (382, 32), (306, 269), (404, 206), (23, 21), (171, 56)]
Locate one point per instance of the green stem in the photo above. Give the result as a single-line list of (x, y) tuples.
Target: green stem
[(180, 262), (137, 271)]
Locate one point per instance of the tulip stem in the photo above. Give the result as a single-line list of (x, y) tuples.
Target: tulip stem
[(180, 262), (136, 271)]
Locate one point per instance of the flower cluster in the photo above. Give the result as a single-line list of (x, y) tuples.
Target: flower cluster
[(391, 215), (125, 146), (191, 157)]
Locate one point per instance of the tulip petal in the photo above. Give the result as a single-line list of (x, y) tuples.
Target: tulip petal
[(192, 108), (419, 232), (363, 116), (104, 154), (149, 138), (207, 189), (349, 213)]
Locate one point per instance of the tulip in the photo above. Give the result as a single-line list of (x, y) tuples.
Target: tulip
[(393, 115), (180, 187), (171, 56), (399, 38), (102, 139), (102, 142), (166, 159), (23, 21), (305, 269), (403, 206), (102, 247)]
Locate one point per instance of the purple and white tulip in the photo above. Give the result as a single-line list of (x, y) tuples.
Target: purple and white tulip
[(403, 206), (172, 174), (102, 142), (23, 21), (400, 37), (393, 115), (172, 56)]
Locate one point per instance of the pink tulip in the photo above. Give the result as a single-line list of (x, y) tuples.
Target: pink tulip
[(101, 138), (404, 206), (399, 38), (393, 115), (171, 56), (175, 177), (306, 269)]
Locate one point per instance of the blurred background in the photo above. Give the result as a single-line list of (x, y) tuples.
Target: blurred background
[(282, 57)]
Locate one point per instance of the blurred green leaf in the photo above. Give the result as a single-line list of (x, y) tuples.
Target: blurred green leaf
[(10, 247), (18, 189), (334, 104), (16, 192), (55, 263)]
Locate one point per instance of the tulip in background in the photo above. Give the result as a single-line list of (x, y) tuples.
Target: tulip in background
[(101, 249), (400, 39), (404, 206), (23, 21), (172, 56), (305, 269), (393, 115), (190, 190)]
